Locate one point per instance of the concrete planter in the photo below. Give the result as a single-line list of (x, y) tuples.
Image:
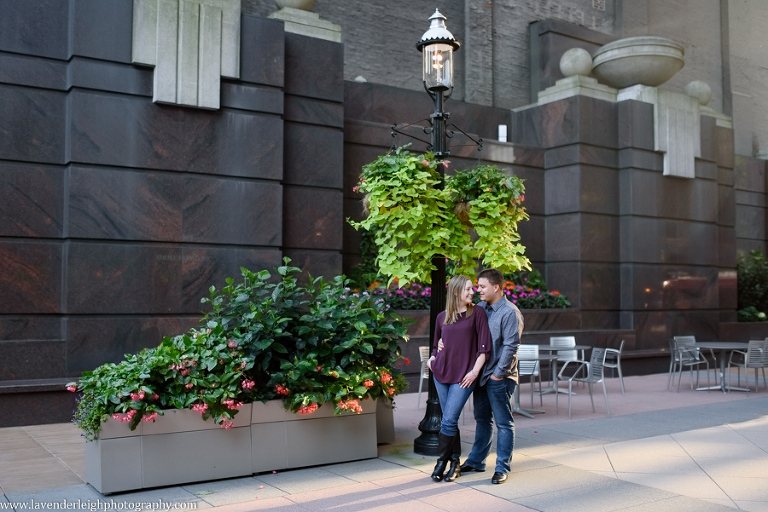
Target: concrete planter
[(646, 60), (180, 447)]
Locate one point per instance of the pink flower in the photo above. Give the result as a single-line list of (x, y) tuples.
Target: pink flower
[(155, 396), (150, 417), (72, 389), (232, 344), (282, 390), (247, 384), (425, 163), (355, 188), (227, 424), (189, 385), (308, 409), (201, 408)]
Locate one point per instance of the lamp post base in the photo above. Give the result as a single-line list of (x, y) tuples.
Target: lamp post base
[(426, 443)]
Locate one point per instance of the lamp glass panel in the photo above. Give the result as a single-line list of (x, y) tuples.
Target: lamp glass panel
[(438, 66)]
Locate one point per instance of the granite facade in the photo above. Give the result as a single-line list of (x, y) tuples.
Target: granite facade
[(117, 214)]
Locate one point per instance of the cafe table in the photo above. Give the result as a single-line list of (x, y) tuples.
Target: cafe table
[(550, 348), (516, 406), (723, 348)]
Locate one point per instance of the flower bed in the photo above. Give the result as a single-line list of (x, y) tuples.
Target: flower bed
[(263, 339)]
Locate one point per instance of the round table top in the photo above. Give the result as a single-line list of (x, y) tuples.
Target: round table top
[(541, 357), (550, 348), (722, 344)]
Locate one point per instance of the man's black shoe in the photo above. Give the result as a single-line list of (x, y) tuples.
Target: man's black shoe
[(466, 468), (499, 478)]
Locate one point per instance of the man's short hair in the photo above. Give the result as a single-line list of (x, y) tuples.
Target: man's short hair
[(493, 276)]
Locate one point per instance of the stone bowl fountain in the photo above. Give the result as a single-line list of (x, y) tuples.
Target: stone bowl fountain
[(646, 60)]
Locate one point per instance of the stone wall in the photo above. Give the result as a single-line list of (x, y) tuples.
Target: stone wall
[(117, 214)]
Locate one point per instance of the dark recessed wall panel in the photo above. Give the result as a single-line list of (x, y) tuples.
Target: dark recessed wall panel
[(105, 278), (750, 222), (33, 71), (32, 359), (580, 154), (727, 246), (312, 218), (600, 286), (262, 51), (32, 124), (32, 327), (532, 236), (35, 27), (728, 288), (708, 139), (314, 68), (663, 241), (566, 278), (316, 263), (641, 159), (30, 276), (160, 206), (705, 170), (655, 328), (600, 238), (599, 190), (562, 190), (313, 156), (134, 132), (311, 111), (251, 97), (635, 125), (563, 237), (669, 288), (96, 340), (649, 193), (100, 30), (725, 147), (31, 200), (110, 76)]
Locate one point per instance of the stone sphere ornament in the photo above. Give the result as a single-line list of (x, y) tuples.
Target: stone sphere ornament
[(699, 90), (646, 60), (576, 62)]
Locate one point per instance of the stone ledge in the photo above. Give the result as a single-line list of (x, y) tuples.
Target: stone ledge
[(34, 385)]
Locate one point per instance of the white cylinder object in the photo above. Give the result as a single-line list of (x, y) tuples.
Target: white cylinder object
[(502, 133)]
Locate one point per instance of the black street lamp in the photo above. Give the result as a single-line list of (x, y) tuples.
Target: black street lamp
[(437, 44)]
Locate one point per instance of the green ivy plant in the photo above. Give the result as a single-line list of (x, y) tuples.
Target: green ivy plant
[(408, 213), (494, 207), (263, 338), (414, 218)]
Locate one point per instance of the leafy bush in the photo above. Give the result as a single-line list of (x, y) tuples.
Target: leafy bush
[(752, 283), (263, 339)]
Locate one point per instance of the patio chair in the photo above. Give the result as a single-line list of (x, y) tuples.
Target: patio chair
[(592, 372), (531, 366), (424, 355), (674, 356), (613, 361), (756, 356), (690, 356)]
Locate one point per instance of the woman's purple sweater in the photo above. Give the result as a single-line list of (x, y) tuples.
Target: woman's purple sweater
[(462, 342)]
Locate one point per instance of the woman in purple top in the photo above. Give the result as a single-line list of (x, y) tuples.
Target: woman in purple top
[(466, 341)]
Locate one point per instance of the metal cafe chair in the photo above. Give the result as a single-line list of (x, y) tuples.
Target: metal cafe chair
[(592, 372), (756, 356), (613, 361), (689, 356), (530, 366)]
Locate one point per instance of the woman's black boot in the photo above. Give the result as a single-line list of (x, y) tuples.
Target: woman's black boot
[(454, 470), (444, 449)]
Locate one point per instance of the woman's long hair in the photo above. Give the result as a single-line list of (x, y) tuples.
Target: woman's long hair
[(455, 289)]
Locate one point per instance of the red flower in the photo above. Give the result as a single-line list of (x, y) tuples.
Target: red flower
[(368, 383), (308, 409), (385, 377)]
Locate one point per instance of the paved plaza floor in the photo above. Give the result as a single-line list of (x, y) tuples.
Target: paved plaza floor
[(660, 450)]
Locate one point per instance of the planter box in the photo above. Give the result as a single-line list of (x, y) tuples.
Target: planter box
[(180, 447)]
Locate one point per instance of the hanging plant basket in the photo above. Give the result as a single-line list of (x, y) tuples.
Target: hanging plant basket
[(461, 209)]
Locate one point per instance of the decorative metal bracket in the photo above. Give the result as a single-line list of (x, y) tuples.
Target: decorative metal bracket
[(426, 128)]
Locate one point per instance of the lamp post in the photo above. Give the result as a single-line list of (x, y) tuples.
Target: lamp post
[(437, 45)]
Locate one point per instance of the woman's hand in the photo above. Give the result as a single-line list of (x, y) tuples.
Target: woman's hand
[(468, 379)]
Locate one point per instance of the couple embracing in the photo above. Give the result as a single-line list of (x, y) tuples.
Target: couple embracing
[(475, 352)]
